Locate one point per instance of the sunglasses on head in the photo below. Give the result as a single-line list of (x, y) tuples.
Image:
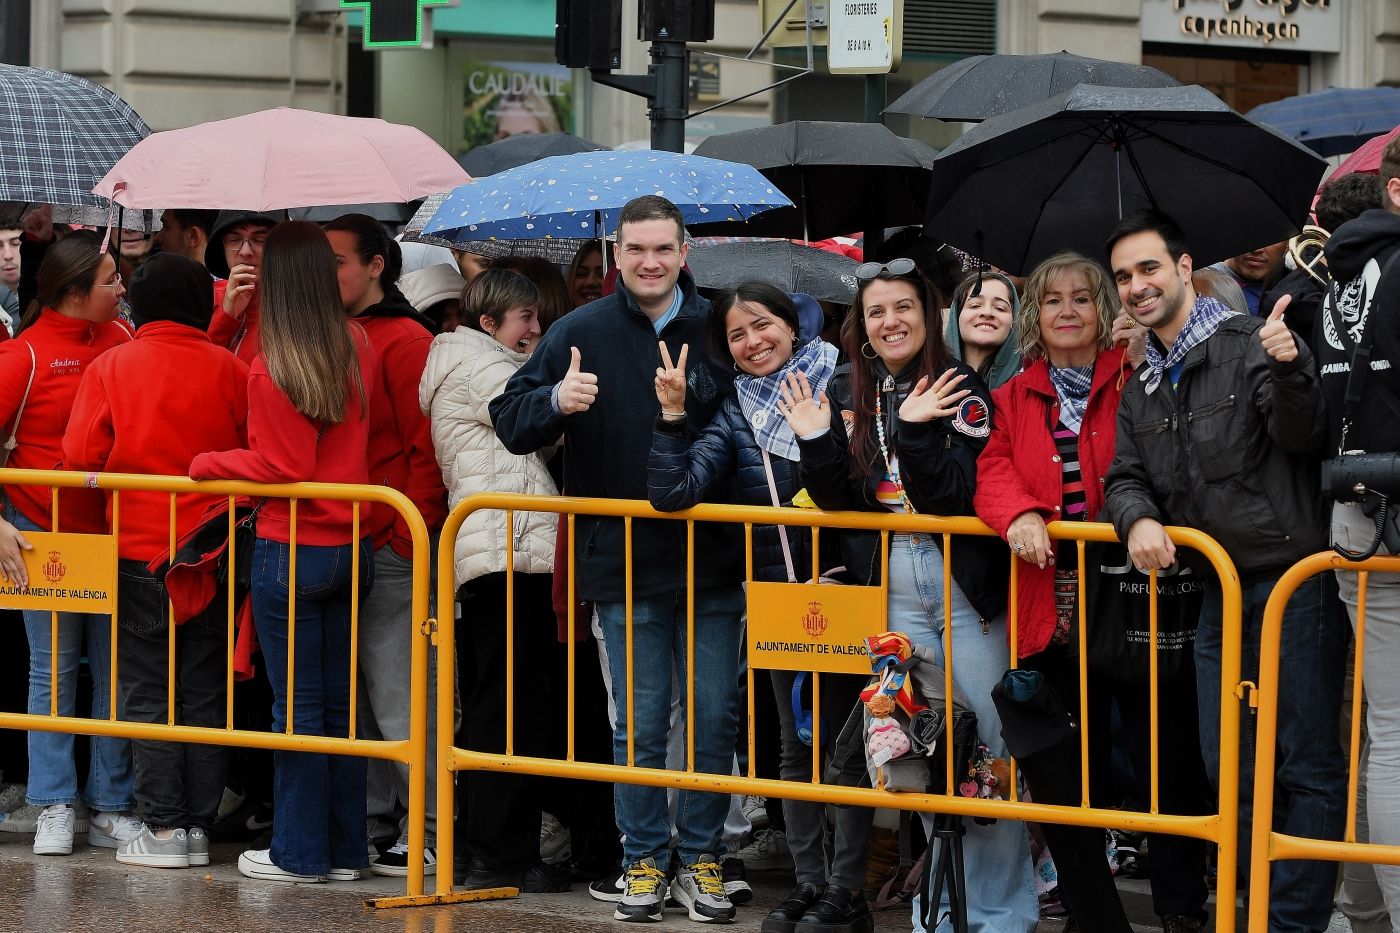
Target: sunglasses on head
[(869, 270)]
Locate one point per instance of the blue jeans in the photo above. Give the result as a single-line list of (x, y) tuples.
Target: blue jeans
[(53, 776), (659, 653), (1310, 771), (318, 800), (1001, 894)]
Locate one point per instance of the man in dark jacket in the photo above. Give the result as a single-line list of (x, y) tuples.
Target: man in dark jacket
[(1216, 431), (591, 380), (1363, 257)]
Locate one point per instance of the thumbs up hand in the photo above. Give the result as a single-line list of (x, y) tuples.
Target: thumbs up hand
[(1276, 337), (578, 390)]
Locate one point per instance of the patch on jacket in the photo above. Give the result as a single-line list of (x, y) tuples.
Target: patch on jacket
[(848, 418), (972, 418), (701, 384)]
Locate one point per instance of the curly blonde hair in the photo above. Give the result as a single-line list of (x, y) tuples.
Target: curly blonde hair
[(1105, 296)]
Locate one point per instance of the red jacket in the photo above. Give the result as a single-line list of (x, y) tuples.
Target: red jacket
[(285, 448), (1019, 471), (400, 440), (238, 334), (149, 407), (64, 347)]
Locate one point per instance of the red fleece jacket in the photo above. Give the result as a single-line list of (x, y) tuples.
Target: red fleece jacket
[(150, 407), (400, 440), (1019, 471), (284, 448), (64, 347), (228, 331)]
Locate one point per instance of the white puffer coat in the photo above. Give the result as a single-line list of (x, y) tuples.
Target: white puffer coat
[(465, 370)]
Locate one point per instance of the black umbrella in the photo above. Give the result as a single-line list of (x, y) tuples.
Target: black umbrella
[(986, 86), (842, 177), (1059, 175), (59, 135), (781, 263), (520, 150)]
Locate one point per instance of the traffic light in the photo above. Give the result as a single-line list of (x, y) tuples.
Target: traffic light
[(677, 20), (588, 34)]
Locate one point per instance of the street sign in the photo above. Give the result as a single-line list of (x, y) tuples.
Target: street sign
[(866, 36), (393, 24)]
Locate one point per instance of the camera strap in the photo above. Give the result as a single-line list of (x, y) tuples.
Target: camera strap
[(1361, 354)]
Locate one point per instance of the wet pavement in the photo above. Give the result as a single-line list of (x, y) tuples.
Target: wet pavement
[(90, 891)]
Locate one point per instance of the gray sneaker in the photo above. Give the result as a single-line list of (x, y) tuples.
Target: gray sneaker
[(199, 846), (24, 820), (11, 797), (150, 850), (644, 896), (699, 887)]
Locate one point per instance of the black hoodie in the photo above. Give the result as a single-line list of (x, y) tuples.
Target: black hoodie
[(1356, 254)]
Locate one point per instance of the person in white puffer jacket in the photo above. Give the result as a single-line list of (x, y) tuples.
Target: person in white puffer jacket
[(466, 369)]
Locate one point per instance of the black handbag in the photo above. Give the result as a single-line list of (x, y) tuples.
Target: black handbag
[(1118, 612)]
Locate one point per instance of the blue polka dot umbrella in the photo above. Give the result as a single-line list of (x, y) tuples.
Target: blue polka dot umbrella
[(580, 196)]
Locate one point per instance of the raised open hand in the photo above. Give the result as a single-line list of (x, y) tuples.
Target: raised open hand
[(926, 402), (805, 415)]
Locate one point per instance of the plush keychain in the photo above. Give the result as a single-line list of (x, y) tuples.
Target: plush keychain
[(885, 740)]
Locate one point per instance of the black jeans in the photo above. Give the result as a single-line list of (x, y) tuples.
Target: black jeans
[(1178, 862), (176, 784), (502, 825)]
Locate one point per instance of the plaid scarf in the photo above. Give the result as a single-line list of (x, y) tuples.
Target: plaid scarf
[(1072, 385), (1206, 316), (759, 396)]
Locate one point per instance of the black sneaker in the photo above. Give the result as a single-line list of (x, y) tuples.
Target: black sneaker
[(736, 885), (394, 862), (643, 899), (538, 879), (609, 888)]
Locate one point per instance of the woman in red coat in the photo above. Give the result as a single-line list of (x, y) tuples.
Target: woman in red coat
[(1051, 444)]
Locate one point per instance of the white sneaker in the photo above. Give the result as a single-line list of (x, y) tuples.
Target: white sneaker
[(257, 863), (556, 841), (755, 810), (53, 834), (150, 850), (113, 830)]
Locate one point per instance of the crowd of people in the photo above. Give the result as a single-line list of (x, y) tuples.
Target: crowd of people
[(1130, 387)]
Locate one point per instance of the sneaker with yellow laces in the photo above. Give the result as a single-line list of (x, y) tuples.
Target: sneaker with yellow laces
[(644, 893), (699, 887)]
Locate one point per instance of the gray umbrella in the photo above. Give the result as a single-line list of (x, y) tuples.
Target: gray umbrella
[(1059, 175), (514, 151), (388, 212), (985, 86), (781, 263), (558, 251)]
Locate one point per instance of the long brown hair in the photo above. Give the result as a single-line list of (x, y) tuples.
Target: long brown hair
[(304, 334), (931, 362), (69, 270)]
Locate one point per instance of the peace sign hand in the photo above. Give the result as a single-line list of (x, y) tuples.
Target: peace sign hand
[(925, 403), (670, 381), (805, 415)]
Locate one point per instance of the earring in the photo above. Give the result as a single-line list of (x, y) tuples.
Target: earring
[(866, 346), (737, 369)]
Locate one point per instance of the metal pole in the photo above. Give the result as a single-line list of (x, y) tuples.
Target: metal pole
[(876, 88), (670, 70)]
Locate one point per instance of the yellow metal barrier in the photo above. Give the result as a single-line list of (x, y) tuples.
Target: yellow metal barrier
[(1220, 828), (411, 752), (1269, 846)]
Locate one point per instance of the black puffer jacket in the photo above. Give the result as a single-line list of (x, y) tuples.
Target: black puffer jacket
[(1232, 451), (938, 465), (725, 462)]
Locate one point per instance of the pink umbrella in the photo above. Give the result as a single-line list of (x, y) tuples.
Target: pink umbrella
[(1367, 158), (278, 159)]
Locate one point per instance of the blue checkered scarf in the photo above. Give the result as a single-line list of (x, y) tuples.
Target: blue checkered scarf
[(1206, 316), (1072, 385), (759, 396)]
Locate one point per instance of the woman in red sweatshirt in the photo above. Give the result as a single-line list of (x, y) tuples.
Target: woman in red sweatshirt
[(71, 324), (309, 394), (171, 374)]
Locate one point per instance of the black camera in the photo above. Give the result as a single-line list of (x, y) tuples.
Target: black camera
[(1350, 477)]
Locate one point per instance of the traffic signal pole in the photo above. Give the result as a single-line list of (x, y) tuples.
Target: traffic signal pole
[(666, 86)]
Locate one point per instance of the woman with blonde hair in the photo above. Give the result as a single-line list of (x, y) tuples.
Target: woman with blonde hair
[(308, 398)]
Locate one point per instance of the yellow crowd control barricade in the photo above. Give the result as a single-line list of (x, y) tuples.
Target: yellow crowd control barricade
[(78, 573), (826, 627), (1269, 846)]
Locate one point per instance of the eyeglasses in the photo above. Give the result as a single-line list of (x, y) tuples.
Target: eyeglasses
[(112, 284), (234, 243), (869, 270)]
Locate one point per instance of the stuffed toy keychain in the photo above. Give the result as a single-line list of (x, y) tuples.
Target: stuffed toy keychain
[(885, 739)]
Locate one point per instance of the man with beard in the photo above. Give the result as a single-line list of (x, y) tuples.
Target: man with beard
[(1218, 430)]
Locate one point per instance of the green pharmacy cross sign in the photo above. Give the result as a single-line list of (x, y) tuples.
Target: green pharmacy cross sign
[(391, 24)]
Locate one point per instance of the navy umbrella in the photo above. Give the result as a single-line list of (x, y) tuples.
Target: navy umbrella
[(515, 151), (1335, 121), (1059, 175), (985, 86)]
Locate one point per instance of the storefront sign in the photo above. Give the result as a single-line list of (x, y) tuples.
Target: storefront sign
[(813, 627), (68, 572), (865, 36), (1294, 25), (510, 98)]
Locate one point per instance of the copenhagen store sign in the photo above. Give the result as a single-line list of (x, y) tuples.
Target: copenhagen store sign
[(1300, 25)]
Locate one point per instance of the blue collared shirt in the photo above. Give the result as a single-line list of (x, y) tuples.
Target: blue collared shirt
[(660, 323)]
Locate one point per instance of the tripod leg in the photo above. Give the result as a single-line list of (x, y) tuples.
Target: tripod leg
[(933, 904), (957, 891)]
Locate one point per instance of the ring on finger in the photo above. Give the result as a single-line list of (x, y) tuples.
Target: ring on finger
[(1018, 548)]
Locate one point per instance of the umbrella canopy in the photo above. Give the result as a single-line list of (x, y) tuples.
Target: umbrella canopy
[(387, 212), (59, 135), (841, 177), (281, 158), (986, 86), (580, 196), (1368, 157), (558, 251), (515, 151), (781, 263), (1334, 121), (1059, 175)]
